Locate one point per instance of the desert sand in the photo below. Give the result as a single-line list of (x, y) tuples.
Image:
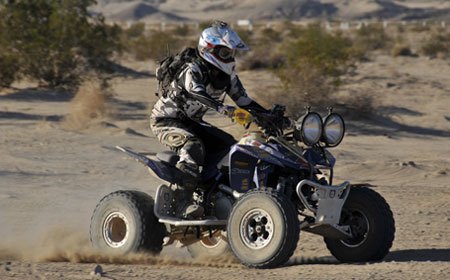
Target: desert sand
[(52, 174)]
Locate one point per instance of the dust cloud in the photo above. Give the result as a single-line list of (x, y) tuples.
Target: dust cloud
[(62, 245), (89, 107)]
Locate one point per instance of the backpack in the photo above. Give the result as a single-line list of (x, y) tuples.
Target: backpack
[(170, 67)]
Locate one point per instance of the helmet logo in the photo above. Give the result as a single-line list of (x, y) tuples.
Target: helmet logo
[(213, 40)]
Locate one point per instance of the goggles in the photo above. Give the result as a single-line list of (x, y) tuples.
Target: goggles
[(225, 54)]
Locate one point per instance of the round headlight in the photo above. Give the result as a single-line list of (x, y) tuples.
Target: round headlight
[(333, 129), (309, 129)]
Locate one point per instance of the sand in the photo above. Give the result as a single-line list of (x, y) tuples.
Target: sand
[(52, 174)]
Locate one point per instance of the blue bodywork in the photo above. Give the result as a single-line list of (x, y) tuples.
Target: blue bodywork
[(250, 165)]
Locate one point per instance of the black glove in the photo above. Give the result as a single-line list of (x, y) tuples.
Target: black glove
[(255, 108), (287, 123)]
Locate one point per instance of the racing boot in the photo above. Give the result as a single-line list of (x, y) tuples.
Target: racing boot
[(192, 211), (191, 174), (191, 179), (186, 207)]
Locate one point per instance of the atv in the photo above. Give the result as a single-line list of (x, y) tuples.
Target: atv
[(257, 197)]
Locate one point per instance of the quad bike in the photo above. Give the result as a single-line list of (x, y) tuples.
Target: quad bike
[(257, 197)]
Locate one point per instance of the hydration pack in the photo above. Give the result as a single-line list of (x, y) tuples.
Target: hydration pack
[(170, 67)]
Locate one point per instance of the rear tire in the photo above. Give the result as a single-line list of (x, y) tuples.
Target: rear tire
[(123, 222), (263, 229), (209, 247), (371, 219)]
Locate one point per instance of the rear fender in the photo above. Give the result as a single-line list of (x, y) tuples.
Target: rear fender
[(156, 167)]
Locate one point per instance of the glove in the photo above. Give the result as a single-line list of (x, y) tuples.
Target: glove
[(287, 123), (226, 110)]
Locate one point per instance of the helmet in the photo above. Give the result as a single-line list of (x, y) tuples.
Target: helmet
[(218, 44)]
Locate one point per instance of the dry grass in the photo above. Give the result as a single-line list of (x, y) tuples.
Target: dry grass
[(437, 45)]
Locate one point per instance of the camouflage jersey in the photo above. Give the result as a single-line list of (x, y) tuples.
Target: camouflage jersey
[(197, 89)]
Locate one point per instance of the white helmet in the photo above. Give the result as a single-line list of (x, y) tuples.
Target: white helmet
[(218, 44)]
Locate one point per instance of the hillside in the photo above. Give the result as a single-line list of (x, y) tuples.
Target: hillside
[(260, 10)]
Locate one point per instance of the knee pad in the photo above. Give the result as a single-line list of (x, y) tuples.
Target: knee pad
[(172, 137), (194, 147)]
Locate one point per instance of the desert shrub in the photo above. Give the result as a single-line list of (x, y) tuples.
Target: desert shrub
[(309, 87), (9, 66), (203, 25), (8, 69), (316, 47), (263, 52), (401, 28), (155, 46), (312, 67), (136, 30), (369, 38), (437, 44), (57, 42), (357, 105), (260, 58), (401, 49), (245, 35), (101, 43), (182, 30), (420, 27), (293, 31), (270, 35), (140, 47)]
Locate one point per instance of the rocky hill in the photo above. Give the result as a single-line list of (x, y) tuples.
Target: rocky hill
[(261, 10)]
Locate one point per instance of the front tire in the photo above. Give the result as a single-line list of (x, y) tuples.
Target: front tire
[(123, 222), (263, 229), (372, 223)]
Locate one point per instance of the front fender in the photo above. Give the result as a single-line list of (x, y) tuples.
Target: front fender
[(327, 210)]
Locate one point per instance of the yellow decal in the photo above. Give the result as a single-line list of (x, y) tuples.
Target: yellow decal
[(241, 163), (244, 184)]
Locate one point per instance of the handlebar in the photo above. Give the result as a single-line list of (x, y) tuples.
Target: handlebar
[(272, 122)]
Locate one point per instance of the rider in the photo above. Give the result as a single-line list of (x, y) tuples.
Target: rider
[(201, 85)]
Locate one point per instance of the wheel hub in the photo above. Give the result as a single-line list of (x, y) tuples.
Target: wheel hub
[(115, 230), (359, 225), (256, 229)]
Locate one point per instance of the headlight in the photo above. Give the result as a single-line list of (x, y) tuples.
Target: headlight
[(309, 129), (333, 129)]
